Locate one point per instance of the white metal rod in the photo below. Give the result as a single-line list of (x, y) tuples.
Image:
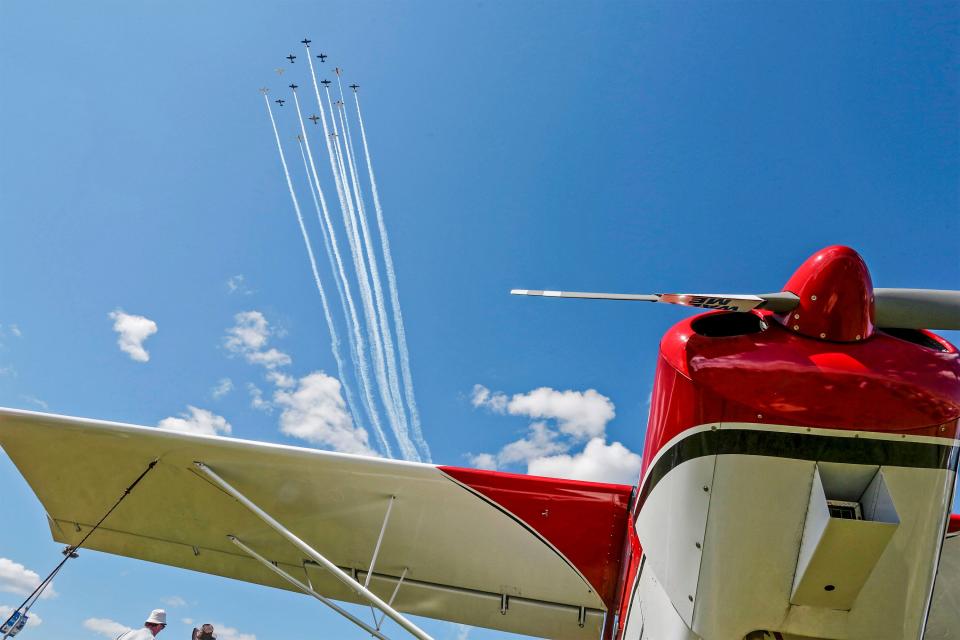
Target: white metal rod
[(308, 590), (376, 549), (392, 596), (355, 586)]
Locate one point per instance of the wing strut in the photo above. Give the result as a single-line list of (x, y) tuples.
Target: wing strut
[(376, 549), (306, 589), (393, 595), (339, 573)]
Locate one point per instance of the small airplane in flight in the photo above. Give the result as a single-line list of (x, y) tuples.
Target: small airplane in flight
[(306, 42), (325, 83), (279, 71), (293, 86), (337, 70), (280, 101), (354, 87), (323, 57), (291, 58), (314, 118), (264, 90)]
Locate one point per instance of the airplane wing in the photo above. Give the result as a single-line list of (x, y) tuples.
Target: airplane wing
[(944, 618), (536, 556)]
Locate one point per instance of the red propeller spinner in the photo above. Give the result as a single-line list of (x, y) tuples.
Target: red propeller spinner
[(835, 297)]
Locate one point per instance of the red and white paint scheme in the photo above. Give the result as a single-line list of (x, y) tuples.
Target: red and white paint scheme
[(798, 473)]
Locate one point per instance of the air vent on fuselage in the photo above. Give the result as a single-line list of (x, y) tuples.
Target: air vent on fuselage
[(726, 325), (916, 337)]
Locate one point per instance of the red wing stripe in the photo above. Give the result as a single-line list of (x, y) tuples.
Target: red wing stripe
[(584, 522)]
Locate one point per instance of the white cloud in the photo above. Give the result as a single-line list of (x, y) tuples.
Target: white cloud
[(484, 461), (249, 336), (186, 620), (223, 632), (10, 329), (33, 621), (256, 399), (16, 578), (249, 333), (237, 284), (541, 441), (581, 414), (281, 379), (105, 627), (131, 332), (8, 370), (224, 386), (37, 401), (315, 411), (598, 462), (482, 397), (270, 358), (174, 601), (548, 450), (196, 420)]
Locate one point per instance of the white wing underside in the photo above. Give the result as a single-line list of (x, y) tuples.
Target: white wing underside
[(460, 552)]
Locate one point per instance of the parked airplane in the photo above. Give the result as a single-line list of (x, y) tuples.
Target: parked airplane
[(799, 466)]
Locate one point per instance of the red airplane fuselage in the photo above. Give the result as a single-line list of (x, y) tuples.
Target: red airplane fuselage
[(764, 428)]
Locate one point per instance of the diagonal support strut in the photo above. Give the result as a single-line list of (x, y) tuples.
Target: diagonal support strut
[(305, 588), (361, 591)]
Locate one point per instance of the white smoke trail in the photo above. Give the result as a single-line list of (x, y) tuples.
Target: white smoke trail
[(349, 312), (343, 284), (398, 419), (409, 451), (389, 352), (394, 297), (334, 339)]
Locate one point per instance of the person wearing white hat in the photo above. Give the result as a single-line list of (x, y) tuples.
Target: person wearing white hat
[(154, 625)]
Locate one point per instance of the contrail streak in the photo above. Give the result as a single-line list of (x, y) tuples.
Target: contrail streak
[(356, 342), (408, 450), (389, 352), (334, 339), (343, 285), (394, 297), (398, 424)]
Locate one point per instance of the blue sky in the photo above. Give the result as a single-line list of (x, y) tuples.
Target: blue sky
[(580, 146)]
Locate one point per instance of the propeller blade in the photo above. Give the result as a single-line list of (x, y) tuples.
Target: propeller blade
[(777, 302), (582, 294), (917, 308)]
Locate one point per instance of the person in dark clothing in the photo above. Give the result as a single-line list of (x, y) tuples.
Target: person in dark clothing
[(205, 632)]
